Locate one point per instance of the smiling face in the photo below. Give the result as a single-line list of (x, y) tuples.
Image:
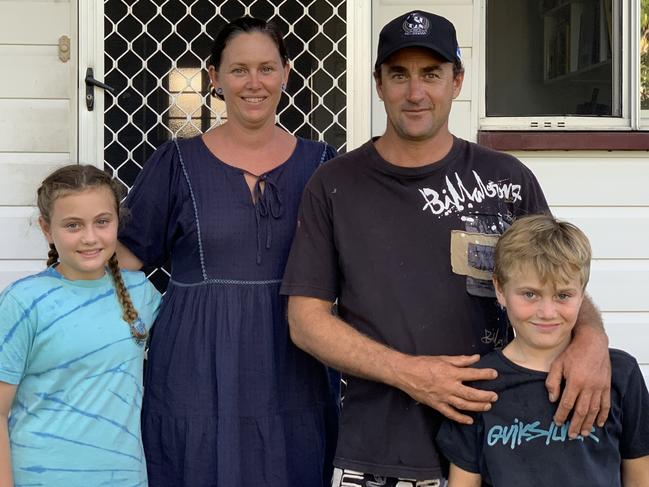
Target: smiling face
[(83, 228), (251, 75), (417, 89), (543, 314)]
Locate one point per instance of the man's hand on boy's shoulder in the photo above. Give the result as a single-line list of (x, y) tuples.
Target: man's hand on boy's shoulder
[(586, 366)]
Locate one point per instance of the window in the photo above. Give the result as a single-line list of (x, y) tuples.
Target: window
[(566, 65)]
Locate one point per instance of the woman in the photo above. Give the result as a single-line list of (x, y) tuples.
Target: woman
[(229, 400)]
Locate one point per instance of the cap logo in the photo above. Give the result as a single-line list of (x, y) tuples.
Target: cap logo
[(416, 24)]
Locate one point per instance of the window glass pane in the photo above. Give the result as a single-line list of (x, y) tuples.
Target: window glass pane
[(559, 59), (644, 56)]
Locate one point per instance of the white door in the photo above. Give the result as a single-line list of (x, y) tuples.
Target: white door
[(38, 122)]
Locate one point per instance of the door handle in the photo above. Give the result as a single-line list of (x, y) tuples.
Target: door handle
[(91, 82)]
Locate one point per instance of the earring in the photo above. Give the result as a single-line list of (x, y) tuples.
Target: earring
[(219, 91), (283, 86)]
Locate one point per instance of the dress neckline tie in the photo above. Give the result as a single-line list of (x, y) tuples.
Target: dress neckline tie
[(268, 205)]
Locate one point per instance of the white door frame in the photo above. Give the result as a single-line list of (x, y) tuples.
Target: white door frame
[(359, 72), (91, 55)]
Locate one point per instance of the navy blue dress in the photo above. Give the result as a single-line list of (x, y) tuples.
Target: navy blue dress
[(229, 400)]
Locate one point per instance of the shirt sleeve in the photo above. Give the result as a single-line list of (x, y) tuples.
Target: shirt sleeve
[(312, 268), (153, 300), (149, 228), (634, 442), (461, 444), (17, 331)]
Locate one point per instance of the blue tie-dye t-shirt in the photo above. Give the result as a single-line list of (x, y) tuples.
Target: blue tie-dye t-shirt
[(75, 419)]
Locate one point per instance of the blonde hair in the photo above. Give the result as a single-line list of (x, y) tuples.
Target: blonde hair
[(72, 179), (556, 250)]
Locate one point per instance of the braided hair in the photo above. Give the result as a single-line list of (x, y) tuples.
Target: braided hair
[(75, 178)]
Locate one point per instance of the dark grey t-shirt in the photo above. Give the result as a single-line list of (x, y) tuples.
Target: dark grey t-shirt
[(380, 239)]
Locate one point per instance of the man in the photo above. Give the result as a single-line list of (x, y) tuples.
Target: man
[(400, 232)]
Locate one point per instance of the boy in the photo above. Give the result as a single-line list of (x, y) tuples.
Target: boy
[(541, 270)]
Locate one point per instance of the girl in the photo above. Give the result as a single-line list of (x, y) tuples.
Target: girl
[(72, 346)]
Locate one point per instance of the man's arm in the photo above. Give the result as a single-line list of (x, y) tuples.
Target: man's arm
[(635, 473), (586, 366), (436, 381)]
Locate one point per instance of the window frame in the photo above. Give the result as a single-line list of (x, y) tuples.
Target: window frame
[(632, 119)]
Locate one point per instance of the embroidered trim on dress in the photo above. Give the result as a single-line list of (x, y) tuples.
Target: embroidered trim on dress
[(323, 155), (198, 223), (235, 282)]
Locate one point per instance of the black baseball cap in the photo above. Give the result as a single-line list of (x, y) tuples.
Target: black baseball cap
[(418, 29)]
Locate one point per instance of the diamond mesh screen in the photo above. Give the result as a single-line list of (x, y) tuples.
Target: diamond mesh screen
[(154, 57)]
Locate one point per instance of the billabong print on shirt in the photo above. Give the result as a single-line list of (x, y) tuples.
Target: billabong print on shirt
[(458, 195)]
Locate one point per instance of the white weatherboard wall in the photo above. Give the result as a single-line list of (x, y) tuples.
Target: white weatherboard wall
[(604, 193), (37, 122)]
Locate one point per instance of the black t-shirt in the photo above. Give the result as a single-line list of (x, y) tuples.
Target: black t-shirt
[(378, 238), (516, 443)]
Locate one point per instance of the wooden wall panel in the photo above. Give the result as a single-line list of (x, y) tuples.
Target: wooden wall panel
[(594, 179), (629, 332), (26, 240), (34, 125), (620, 285), (27, 22), (614, 232), (460, 119), (33, 72), (22, 173)]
